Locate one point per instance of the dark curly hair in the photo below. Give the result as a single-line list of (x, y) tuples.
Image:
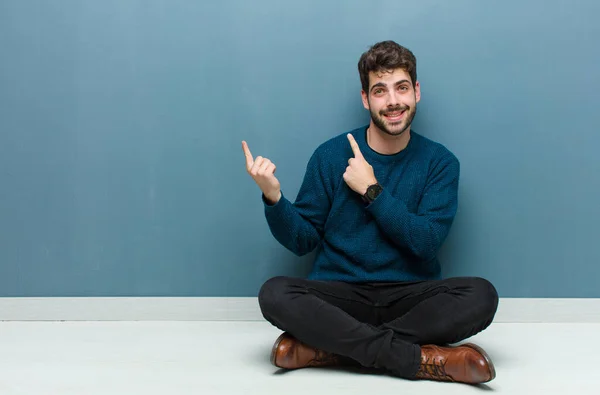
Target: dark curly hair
[(384, 56)]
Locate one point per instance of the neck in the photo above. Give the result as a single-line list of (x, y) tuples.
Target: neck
[(385, 144)]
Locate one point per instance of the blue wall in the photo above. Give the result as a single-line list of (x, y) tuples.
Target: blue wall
[(121, 169)]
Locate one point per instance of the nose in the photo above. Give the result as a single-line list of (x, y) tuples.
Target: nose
[(392, 99)]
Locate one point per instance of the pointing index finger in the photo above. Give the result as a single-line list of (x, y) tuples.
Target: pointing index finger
[(354, 145), (248, 154)]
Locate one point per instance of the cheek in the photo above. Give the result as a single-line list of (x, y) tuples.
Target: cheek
[(414, 100), (375, 105), (410, 102)]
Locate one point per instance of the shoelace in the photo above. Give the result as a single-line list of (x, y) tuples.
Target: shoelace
[(432, 369)]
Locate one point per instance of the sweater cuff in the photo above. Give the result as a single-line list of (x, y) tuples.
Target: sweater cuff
[(386, 206), (267, 203), (277, 209)]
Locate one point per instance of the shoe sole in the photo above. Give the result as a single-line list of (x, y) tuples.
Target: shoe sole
[(275, 347), (486, 357)]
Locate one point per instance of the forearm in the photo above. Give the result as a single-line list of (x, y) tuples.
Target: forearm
[(290, 228), (422, 235)]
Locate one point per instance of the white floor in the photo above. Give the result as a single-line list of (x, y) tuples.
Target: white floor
[(233, 358)]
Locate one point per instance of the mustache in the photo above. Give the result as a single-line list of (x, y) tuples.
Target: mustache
[(394, 109)]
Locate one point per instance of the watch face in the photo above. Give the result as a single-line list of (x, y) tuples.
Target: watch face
[(373, 191)]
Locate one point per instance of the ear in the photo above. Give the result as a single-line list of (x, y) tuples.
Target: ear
[(417, 91), (365, 99)]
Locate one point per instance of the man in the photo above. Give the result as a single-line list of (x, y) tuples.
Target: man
[(378, 203)]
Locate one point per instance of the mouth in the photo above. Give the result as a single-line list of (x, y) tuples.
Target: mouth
[(394, 116)]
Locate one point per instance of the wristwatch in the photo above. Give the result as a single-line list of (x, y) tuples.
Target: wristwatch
[(372, 192)]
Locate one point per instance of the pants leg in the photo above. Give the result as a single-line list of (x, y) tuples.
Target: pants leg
[(439, 312), (339, 318)]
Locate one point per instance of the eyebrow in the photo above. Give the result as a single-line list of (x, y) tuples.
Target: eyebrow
[(382, 85)]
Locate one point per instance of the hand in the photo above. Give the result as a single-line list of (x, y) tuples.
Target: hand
[(359, 173), (262, 171)]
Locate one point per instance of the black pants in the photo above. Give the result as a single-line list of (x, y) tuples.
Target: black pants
[(379, 325)]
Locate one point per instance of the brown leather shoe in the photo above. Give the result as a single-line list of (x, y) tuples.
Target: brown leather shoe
[(467, 363), (290, 353)]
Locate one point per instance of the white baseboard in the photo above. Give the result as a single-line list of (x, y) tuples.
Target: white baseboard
[(510, 310), (129, 309), (551, 310)]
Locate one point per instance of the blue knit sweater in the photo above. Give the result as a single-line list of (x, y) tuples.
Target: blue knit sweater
[(396, 237)]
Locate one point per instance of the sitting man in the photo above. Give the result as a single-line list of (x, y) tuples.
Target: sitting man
[(378, 202)]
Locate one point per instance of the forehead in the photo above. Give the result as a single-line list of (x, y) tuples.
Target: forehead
[(388, 77)]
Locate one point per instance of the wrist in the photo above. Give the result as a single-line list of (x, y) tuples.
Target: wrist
[(364, 189), (272, 198), (372, 192)]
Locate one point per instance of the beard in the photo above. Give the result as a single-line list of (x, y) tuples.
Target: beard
[(395, 128)]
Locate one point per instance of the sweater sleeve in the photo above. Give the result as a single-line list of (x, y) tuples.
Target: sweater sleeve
[(423, 232), (299, 226)]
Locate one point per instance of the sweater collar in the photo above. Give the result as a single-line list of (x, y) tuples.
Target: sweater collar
[(369, 153)]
